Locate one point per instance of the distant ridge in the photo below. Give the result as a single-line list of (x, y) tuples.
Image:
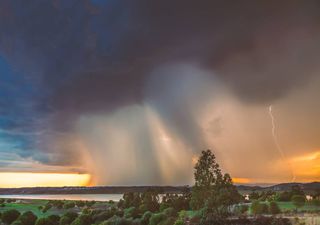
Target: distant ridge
[(92, 190), (307, 187)]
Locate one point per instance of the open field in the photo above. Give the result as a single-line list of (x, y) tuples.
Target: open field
[(36, 205), (285, 206)]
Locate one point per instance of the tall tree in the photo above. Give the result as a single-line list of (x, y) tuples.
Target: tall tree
[(213, 189)]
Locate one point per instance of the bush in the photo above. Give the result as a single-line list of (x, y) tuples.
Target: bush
[(80, 204), (28, 218), (168, 221), (243, 209), (182, 217), (54, 219), (71, 215), (115, 220), (57, 203), (131, 213), (146, 218), (298, 201), (315, 202), (274, 208), (47, 207), (65, 221), (179, 222), (69, 205), (164, 206), (83, 220), (17, 222), (258, 208), (10, 215), (90, 203), (170, 212), (44, 221), (102, 216), (68, 218), (157, 218)]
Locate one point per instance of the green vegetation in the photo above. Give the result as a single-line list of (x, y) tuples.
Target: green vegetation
[(298, 201), (213, 200), (9, 216)]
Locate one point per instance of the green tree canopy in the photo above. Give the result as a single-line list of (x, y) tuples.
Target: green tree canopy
[(10, 215), (28, 218), (212, 188)]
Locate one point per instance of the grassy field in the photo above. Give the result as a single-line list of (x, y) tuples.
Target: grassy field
[(34, 206), (27, 205), (286, 206)]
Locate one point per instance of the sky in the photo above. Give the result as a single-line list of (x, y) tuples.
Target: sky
[(121, 92)]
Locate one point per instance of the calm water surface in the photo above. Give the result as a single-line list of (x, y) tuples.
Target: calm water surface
[(84, 197)]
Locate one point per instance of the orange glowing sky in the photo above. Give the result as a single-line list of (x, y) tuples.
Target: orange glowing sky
[(15, 180)]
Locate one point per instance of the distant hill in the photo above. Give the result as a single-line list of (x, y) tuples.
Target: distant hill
[(92, 190), (307, 187)]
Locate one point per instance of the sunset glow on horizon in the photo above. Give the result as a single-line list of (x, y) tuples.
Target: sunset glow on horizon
[(307, 166), (16, 179)]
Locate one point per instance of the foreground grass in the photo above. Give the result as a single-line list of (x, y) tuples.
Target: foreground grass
[(288, 206)]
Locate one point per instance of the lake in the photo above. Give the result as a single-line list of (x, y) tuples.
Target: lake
[(83, 197)]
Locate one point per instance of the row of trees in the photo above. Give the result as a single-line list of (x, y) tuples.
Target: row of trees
[(211, 200)]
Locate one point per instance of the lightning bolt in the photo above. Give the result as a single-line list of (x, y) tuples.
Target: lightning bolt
[(276, 141)]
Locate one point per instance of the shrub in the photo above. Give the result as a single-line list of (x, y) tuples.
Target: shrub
[(243, 209), (157, 218), (136, 222), (115, 220), (274, 208), (170, 212), (131, 213), (102, 216), (168, 221), (179, 222), (71, 215), (90, 203), (54, 219), (298, 201), (315, 202), (28, 218), (46, 207), (258, 208), (80, 204), (146, 218), (69, 205), (65, 221), (57, 203), (10, 215), (68, 218), (44, 221), (164, 206), (86, 211), (17, 222), (82, 220)]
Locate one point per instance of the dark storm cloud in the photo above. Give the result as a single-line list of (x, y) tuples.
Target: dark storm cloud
[(89, 54), (86, 56)]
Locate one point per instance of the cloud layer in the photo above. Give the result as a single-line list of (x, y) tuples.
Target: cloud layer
[(68, 66)]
